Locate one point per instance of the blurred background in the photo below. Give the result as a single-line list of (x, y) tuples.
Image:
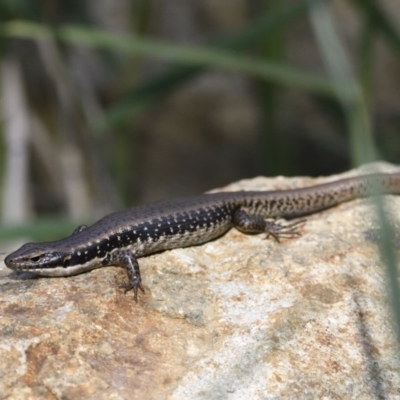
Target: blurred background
[(110, 103)]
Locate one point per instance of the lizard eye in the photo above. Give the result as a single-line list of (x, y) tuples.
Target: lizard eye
[(36, 258)]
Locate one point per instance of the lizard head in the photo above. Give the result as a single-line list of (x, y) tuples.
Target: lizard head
[(36, 257)]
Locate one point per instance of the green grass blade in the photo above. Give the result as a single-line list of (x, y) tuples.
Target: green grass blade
[(170, 78), (199, 56), (380, 21)]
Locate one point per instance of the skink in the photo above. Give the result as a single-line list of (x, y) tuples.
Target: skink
[(120, 238)]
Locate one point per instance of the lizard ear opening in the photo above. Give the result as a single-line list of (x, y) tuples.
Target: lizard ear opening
[(66, 260)]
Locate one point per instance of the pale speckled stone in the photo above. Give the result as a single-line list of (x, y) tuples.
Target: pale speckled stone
[(240, 318)]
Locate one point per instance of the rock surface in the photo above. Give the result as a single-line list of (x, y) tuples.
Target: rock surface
[(240, 318)]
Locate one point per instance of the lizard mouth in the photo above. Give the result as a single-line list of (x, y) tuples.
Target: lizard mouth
[(38, 261)]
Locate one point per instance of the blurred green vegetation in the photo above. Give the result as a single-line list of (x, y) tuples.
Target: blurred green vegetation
[(256, 50), (39, 230)]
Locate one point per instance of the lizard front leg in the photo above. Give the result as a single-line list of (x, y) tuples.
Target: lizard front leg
[(127, 260)]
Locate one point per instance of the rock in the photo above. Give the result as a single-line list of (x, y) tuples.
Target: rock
[(240, 318)]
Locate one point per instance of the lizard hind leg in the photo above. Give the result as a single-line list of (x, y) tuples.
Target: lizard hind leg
[(256, 224)]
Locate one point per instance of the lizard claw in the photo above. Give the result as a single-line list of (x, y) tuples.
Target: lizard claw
[(279, 231), (135, 287)]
